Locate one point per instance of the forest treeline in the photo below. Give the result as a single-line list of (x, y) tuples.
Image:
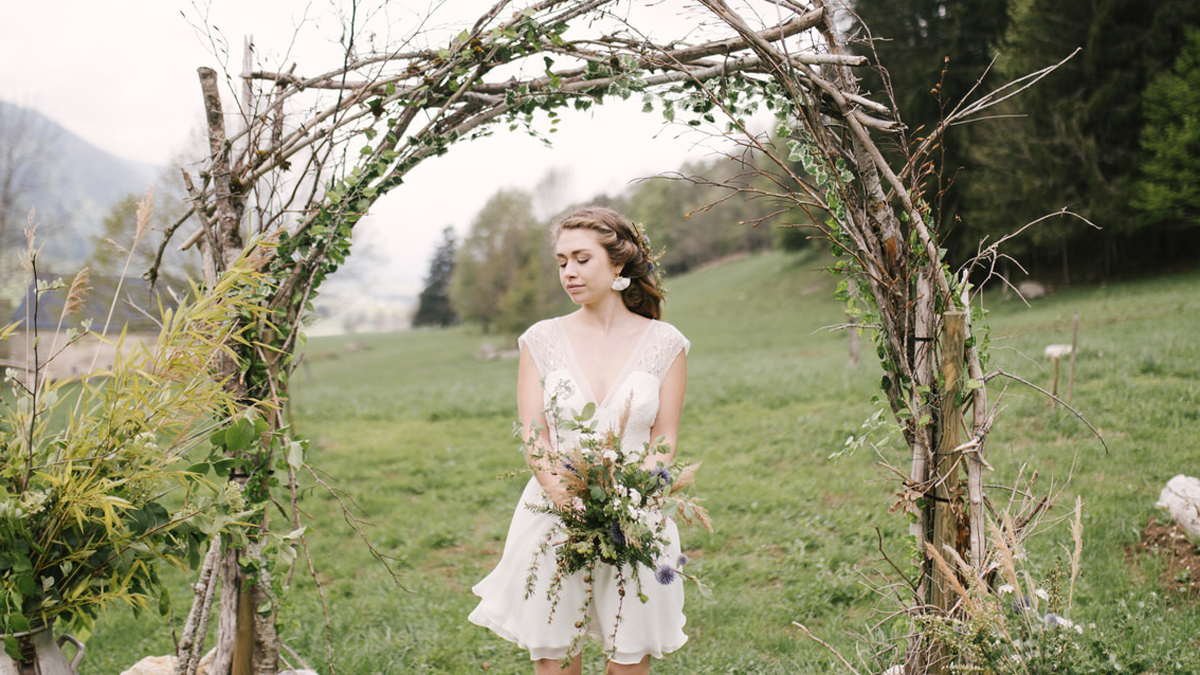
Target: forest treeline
[(1110, 141)]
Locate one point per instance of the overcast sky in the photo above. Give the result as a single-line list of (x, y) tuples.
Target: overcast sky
[(122, 75)]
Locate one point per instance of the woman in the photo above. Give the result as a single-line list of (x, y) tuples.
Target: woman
[(613, 352)]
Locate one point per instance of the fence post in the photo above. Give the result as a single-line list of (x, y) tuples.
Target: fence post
[(948, 507)]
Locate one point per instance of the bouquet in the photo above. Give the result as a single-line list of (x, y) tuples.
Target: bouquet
[(617, 508)]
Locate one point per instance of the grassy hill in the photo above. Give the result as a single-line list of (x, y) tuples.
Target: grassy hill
[(414, 428)]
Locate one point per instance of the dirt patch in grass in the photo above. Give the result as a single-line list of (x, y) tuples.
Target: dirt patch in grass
[(1180, 557)]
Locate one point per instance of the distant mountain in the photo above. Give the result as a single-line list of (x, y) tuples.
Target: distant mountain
[(71, 184)]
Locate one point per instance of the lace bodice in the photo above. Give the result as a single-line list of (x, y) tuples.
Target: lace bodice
[(636, 386)]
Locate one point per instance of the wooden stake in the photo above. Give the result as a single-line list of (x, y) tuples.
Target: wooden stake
[(947, 503), (1074, 348)]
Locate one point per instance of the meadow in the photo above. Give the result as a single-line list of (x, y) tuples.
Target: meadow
[(415, 429)]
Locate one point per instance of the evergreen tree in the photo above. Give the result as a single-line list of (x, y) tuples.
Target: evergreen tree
[(1169, 192), (932, 53), (1072, 141), (433, 306)]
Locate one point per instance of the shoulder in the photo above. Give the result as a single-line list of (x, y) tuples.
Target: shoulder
[(670, 336), (537, 332)]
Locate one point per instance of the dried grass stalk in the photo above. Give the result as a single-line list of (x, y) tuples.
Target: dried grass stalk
[(1077, 552), (78, 293)]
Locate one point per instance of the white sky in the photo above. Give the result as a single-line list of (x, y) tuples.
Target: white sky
[(122, 75)]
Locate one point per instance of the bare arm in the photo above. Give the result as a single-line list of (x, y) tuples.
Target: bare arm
[(530, 410), (670, 409)]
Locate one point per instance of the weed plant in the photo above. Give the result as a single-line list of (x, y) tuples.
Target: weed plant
[(414, 427)]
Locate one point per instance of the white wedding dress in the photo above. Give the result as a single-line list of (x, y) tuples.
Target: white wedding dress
[(654, 627)]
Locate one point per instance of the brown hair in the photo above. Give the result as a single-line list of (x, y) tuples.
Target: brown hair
[(625, 251)]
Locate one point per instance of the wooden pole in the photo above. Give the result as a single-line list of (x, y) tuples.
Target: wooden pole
[(947, 474), (1074, 348)]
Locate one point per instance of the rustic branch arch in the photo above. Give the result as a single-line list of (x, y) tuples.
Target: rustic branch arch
[(285, 191)]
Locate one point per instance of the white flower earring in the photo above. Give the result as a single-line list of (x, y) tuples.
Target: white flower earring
[(620, 283)]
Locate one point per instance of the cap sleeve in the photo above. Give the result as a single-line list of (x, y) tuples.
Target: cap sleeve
[(544, 345), (668, 342)]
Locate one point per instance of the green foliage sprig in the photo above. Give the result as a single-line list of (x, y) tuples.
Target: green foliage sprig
[(94, 493)]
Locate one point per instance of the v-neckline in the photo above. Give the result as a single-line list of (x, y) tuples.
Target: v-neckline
[(577, 369)]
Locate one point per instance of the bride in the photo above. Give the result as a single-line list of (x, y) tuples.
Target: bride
[(615, 353)]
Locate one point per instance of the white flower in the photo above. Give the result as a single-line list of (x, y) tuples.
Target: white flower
[(609, 454), (31, 502), (1005, 588), (1041, 593), (635, 496)]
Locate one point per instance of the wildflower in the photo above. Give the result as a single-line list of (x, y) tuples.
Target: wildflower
[(683, 560), (570, 467), (665, 574), (662, 476), (32, 502), (1005, 588), (618, 536), (1041, 593), (1055, 621)]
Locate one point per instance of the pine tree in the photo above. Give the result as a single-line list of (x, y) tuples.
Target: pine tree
[(433, 306), (1073, 140), (1169, 191), (933, 52)]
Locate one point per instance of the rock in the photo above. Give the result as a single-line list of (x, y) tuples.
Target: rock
[(165, 665), (1032, 289), (1181, 499), (1056, 352), (153, 665)]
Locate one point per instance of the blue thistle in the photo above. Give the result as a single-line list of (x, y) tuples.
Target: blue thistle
[(618, 536), (662, 477), (665, 574), (683, 560)]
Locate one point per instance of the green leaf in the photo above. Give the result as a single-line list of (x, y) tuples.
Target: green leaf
[(221, 467), (25, 585), (588, 412), (295, 455), (164, 602), (18, 623), (239, 435)]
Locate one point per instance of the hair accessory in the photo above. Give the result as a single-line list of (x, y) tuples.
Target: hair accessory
[(620, 283), (643, 242)]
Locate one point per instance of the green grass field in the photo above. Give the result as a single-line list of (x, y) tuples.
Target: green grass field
[(415, 429)]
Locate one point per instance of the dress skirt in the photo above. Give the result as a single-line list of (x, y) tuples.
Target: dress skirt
[(532, 621)]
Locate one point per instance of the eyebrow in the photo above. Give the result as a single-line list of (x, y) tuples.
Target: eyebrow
[(575, 252)]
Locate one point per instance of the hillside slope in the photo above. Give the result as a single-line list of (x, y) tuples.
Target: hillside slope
[(68, 182)]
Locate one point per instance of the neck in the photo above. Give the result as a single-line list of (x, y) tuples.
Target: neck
[(607, 315)]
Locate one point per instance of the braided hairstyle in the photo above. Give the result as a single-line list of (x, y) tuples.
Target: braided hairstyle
[(628, 250)]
